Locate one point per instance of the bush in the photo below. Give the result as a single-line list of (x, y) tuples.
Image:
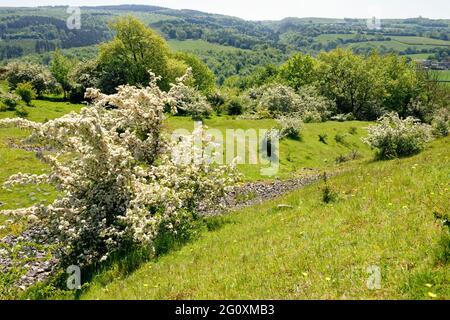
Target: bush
[(83, 76), (277, 99), (353, 130), (21, 112), (441, 122), (395, 137), (39, 76), (10, 101), (217, 100), (235, 107), (188, 100), (340, 138), (343, 117), (290, 127), (323, 138), (281, 100), (328, 193), (26, 91), (353, 155), (314, 107)]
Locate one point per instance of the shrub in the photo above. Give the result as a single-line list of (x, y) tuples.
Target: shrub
[(188, 100), (235, 107), (353, 130), (343, 117), (328, 193), (10, 101), (26, 91), (21, 112), (280, 100), (290, 127), (395, 137), (217, 100), (341, 159), (125, 180), (314, 107), (323, 138), (83, 76), (277, 99), (441, 122), (39, 76), (353, 155), (340, 138)]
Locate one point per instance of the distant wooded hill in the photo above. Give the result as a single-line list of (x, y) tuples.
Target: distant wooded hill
[(229, 45)]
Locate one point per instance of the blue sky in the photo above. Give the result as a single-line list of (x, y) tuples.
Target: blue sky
[(278, 9)]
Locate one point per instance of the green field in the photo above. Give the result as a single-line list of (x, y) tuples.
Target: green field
[(444, 75), (198, 46), (421, 41), (398, 43)]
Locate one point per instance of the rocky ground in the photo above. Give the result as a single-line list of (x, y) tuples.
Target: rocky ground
[(253, 193), (36, 260)]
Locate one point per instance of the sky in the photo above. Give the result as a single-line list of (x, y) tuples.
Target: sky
[(279, 9)]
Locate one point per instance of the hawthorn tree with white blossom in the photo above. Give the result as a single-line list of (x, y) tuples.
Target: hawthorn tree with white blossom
[(118, 181)]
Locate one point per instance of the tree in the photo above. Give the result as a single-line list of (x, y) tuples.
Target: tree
[(349, 80), (39, 76), (134, 51), (60, 67), (203, 78), (298, 71)]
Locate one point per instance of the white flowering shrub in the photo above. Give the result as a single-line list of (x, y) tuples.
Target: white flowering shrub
[(441, 122), (290, 127), (40, 77), (313, 106), (276, 100), (394, 137), (189, 100), (10, 100), (118, 180)]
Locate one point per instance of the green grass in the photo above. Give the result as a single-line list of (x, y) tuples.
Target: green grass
[(42, 110), (419, 56), (444, 75), (308, 152), (198, 46), (383, 217)]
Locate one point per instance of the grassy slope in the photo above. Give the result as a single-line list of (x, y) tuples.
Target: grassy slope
[(383, 217), (309, 152)]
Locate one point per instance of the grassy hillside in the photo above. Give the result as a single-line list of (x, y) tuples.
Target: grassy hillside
[(308, 152), (383, 217)]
